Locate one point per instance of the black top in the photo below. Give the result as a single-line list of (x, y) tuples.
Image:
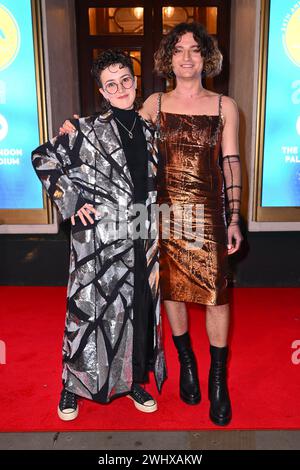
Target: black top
[(135, 150)]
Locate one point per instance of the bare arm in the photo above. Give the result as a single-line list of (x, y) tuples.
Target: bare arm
[(148, 111), (149, 108), (232, 171)]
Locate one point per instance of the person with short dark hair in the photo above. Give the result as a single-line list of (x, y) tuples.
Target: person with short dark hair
[(108, 58), (100, 177)]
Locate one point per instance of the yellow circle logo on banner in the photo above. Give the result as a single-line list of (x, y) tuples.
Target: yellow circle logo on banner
[(292, 37), (9, 38)]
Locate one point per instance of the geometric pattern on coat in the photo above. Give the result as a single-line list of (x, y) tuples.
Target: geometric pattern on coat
[(89, 166)]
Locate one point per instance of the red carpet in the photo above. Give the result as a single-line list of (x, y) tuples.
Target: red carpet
[(264, 382)]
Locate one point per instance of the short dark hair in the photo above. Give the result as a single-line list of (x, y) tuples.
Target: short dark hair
[(110, 57), (208, 48)]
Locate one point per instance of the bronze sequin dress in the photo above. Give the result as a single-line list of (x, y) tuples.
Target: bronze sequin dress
[(190, 173)]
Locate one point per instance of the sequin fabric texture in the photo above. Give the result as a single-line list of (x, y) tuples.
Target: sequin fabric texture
[(90, 167), (190, 173)]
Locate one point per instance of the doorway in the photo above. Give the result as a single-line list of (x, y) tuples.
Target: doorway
[(137, 27)]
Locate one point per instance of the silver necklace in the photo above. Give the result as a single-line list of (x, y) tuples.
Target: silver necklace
[(129, 131)]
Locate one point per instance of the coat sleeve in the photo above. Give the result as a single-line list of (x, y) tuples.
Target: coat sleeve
[(51, 162)]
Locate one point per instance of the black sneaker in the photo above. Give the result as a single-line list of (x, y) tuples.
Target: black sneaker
[(67, 408), (143, 401)]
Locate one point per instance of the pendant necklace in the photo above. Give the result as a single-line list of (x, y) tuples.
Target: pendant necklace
[(129, 131)]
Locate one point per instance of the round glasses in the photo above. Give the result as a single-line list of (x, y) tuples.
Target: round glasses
[(112, 87)]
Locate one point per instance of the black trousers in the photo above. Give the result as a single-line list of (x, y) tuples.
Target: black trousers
[(143, 317)]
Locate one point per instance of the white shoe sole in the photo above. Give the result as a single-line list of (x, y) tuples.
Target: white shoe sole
[(144, 408), (67, 416)]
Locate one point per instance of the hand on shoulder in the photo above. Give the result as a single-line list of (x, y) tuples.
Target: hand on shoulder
[(149, 109)]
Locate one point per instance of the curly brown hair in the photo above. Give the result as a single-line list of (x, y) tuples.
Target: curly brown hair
[(209, 50)]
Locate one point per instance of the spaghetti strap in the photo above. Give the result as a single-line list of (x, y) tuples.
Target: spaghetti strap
[(158, 117), (220, 108)]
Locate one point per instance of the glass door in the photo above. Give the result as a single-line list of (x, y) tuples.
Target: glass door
[(137, 27)]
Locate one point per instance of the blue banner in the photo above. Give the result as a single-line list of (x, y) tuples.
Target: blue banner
[(281, 164), (19, 130)]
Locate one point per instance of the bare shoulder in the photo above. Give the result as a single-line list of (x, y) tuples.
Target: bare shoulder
[(229, 105), (149, 108), (230, 111), (152, 98)]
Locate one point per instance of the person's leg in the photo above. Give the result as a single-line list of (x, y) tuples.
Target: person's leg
[(189, 388), (143, 332), (177, 316), (217, 326)]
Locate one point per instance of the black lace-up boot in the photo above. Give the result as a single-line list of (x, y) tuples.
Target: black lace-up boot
[(189, 388), (220, 407)]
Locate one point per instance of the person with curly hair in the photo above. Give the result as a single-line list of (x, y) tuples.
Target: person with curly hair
[(101, 177), (194, 125)]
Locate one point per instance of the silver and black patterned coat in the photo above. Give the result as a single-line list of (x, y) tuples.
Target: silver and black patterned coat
[(90, 166)]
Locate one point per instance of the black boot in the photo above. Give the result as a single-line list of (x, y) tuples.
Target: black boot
[(189, 382), (220, 407)]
